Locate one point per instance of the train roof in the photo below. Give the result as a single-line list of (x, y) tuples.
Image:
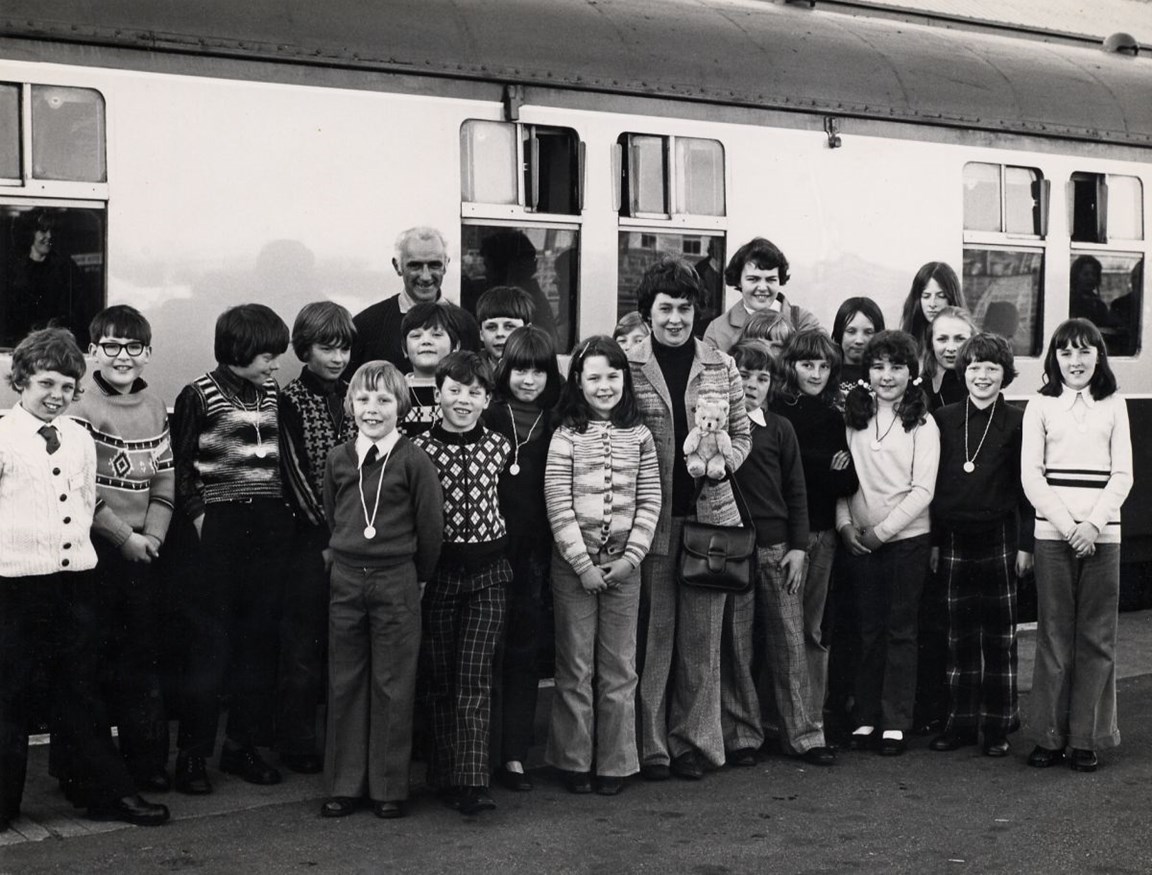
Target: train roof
[(738, 52)]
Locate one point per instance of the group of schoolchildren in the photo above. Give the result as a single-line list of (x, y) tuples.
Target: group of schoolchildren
[(396, 537)]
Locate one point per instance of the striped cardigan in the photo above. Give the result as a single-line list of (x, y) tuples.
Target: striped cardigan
[(602, 491), (713, 373), (1076, 463)]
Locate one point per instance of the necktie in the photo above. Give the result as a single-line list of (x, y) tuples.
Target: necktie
[(48, 432), (369, 457)]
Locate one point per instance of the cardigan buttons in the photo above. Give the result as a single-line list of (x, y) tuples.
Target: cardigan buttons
[(67, 520), (56, 472), (64, 562), (63, 496)]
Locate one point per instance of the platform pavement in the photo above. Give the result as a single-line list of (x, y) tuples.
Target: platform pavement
[(48, 817)]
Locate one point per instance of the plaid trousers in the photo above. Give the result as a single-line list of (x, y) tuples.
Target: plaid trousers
[(463, 613), (979, 575)]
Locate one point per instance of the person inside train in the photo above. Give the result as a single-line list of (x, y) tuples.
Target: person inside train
[(934, 287), (47, 502), (1085, 302), (857, 320), (421, 261), (500, 311), (510, 259), (680, 729), (758, 270)]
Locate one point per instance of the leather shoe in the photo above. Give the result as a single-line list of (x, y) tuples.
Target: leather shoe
[(995, 746), (609, 785), (892, 747), (819, 756), (339, 806), (688, 766), (517, 782), (742, 758), (578, 782), (474, 800), (302, 763), (245, 763), (1043, 757), (1084, 760), (155, 782), (192, 775), (953, 741), (655, 772), (858, 741), (388, 810), (130, 809)]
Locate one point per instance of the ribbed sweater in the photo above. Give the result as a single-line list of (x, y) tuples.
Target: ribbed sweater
[(897, 481), (135, 476), (312, 423), (46, 501), (216, 422), (602, 490), (409, 518), (1072, 475), (771, 481)]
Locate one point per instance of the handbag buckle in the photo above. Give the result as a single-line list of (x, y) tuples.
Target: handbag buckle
[(717, 554)]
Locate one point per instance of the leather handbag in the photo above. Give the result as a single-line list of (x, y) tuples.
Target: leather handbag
[(720, 558)]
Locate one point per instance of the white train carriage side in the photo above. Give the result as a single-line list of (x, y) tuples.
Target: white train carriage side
[(195, 156)]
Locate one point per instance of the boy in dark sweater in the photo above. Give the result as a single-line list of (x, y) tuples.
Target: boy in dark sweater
[(464, 601), (382, 500), (312, 421)]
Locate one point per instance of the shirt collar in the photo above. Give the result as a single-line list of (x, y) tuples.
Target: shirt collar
[(383, 446), (757, 416), (138, 385), (29, 423), (1068, 398), (776, 306)]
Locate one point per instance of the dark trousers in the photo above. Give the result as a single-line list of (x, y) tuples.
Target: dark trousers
[(888, 582), (526, 631), (303, 643), (233, 619), (53, 621), (931, 707)]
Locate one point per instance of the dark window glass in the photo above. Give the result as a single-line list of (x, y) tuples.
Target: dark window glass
[(638, 250), (555, 156), (1004, 289), (1087, 217), (1107, 289)]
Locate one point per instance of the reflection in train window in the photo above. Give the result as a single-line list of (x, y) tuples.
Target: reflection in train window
[(1106, 208), (1004, 289), (1106, 288), (1003, 198), (543, 261), (67, 134), (638, 250), (664, 177), (52, 271), (9, 133), (491, 154)]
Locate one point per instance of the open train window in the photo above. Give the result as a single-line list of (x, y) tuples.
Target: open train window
[(1106, 207), (534, 167), (66, 134), (666, 177)]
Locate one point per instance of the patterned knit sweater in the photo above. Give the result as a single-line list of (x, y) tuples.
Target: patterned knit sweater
[(312, 423), (135, 477), (226, 436), (469, 464), (602, 489)]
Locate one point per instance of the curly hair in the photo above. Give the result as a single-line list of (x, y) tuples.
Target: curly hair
[(898, 348), (49, 349)]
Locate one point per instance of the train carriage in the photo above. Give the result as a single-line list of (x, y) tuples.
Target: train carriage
[(194, 156)]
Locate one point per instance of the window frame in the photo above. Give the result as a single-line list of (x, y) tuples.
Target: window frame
[(661, 222)]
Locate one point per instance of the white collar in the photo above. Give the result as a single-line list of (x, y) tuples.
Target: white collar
[(757, 416), (29, 423), (383, 446), (1068, 398), (775, 307)]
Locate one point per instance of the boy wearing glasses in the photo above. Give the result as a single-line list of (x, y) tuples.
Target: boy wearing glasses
[(135, 489)]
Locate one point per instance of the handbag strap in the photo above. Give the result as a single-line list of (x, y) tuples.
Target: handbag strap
[(741, 504)]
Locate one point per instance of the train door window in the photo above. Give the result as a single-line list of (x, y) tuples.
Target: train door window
[(639, 250), (51, 268), (67, 134), (533, 167), (670, 177), (9, 134), (1106, 274), (1003, 198)]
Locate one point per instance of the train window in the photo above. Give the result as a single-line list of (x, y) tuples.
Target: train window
[(1106, 207), (52, 270), (1004, 289), (493, 154), (640, 249), (542, 260), (666, 177), (1004, 198), (1106, 288), (67, 134), (9, 133)]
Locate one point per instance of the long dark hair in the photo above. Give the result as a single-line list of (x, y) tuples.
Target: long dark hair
[(912, 320), (1078, 332), (847, 313), (812, 344), (573, 409), (529, 347), (899, 348)]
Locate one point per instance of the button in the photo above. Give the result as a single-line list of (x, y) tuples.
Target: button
[(67, 546), (64, 562), (56, 472), (67, 520), (63, 497)]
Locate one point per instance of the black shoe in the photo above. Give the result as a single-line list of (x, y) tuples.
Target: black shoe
[(303, 763), (655, 772), (451, 796), (578, 782), (1083, 760), (245, 763), (995, 746), (819, 756), (474, 800), (741, 758), (389, 810), (339, 806), (858, 741), (689, 766), (1043, 757), (76, 793), (607, 785), (131, 809), (191, 775), (892, 747), (155, 782), (517, 782), (953, 741)]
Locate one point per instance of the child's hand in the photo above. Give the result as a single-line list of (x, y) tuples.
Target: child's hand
[(793, 567), (136, 548), (616, 572), (841, 460), (1023, 563), (198, 523), (934, 561), (868, 539), (1083, 537), (593, 580), (154, 545), (850, 535)]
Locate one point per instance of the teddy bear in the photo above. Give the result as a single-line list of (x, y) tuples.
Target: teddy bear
[(708, 449)]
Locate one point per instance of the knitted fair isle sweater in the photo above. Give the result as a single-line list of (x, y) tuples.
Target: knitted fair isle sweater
[(312, 422), (602, 489), (135, 477), (469, 464)]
